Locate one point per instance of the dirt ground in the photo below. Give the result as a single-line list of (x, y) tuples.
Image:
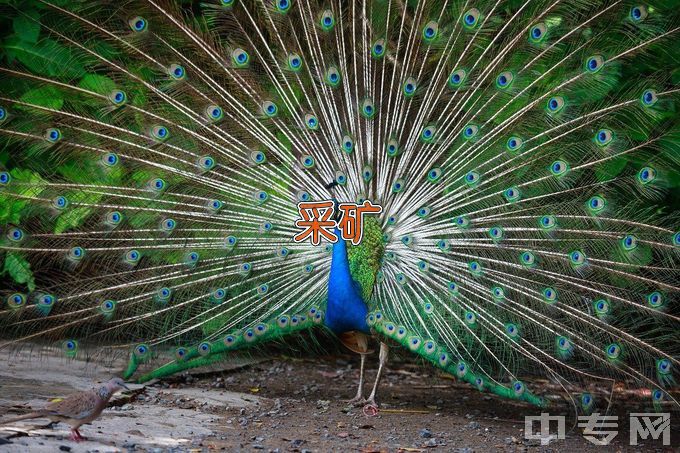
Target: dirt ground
[(283, 404)]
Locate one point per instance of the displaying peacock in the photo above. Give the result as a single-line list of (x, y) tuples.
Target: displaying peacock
[(525, 155)]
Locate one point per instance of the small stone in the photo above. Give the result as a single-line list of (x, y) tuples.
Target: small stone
[(64, 448), (425, 433), (473, 425), (431, 443)]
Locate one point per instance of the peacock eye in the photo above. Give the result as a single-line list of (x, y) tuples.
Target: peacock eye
[(638, 13), (514, 143), (294, 62), (471, 18), (470, 131), (378, 49), (594, 63), (368, 108), (138, 24), (214, 112), (409, 87), (392, 148), (648, 98), (555, 104), (430, 31), (176, 71), (118, 97), (283, 6), (240, 58), (270, 109), (327, 21), (537, 33), (504, 79), (472, 178), (457, 78), (311, 121), (53, 135), (333, 76), (646, 175), (434, 174), (603, 137)]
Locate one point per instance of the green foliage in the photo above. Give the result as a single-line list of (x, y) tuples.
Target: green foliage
[(19, 269)]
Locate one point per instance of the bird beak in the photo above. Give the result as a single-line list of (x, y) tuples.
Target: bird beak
[(125, 386)]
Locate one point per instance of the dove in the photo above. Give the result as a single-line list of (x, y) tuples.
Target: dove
[(77, 409)]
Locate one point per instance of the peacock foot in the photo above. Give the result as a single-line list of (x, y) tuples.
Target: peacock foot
[(370, 408), (357, 401)]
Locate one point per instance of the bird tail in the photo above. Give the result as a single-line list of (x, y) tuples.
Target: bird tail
[(28, 416)]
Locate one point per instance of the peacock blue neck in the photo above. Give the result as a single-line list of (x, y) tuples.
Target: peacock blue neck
[(346, 310)]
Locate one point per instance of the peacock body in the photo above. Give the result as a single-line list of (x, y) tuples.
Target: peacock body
[(524, 153)]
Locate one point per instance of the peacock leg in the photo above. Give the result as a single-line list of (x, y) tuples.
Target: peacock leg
[(359, 399), (357, 342), (371, 405)]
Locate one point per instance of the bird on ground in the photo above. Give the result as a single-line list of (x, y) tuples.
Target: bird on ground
[(523, 155), (77, 409)]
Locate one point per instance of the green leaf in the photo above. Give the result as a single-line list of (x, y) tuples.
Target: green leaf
[(10, 209), (611, 168), (27, 27), (45, 96), (19, 269), (97, 83), (71, 219), (46, 57)]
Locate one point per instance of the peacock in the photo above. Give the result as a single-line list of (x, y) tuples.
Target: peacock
[(524, 154)]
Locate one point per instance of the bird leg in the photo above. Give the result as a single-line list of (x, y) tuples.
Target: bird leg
[(371, 407), (357, 342), (359, 399), (76, 436)]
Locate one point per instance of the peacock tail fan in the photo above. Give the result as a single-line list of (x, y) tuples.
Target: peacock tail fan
[(526, 156)]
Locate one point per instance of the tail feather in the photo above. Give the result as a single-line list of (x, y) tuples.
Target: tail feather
[(524, 153)]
